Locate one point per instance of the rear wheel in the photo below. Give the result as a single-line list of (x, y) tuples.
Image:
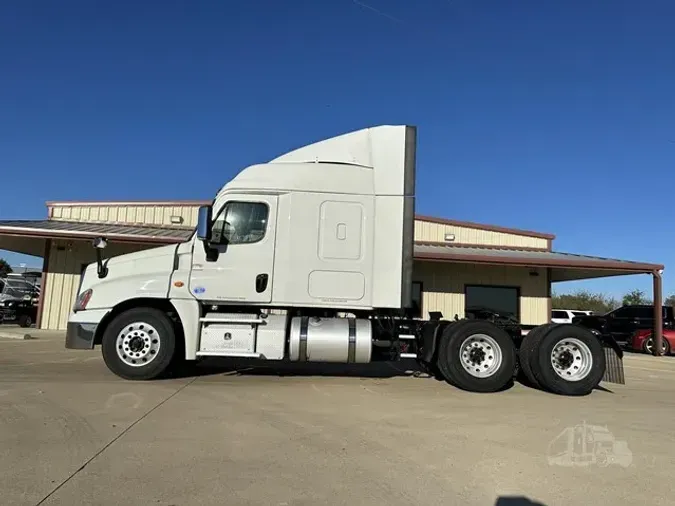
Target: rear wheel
[(139, 344), (476, 356), (527, 347), (569, 360)]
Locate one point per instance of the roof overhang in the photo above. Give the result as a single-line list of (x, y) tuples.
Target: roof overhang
[(29, 237), (564, 266)]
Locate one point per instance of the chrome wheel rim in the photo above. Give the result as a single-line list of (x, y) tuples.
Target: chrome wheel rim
[(649, 345), (572, 359), (137, 344), (480, 355)]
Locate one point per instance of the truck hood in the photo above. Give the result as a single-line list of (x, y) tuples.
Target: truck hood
[(144, 274)]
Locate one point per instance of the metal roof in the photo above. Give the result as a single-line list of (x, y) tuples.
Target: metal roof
[(86, 230), (423, 251), (527, 258)]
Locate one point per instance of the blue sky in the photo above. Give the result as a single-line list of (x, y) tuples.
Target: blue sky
[(557, 116)]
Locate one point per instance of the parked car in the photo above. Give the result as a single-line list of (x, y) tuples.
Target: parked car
[(18, 301), (642, 341), (566, 315), (623, 322)]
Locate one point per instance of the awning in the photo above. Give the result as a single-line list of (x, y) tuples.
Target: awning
[(28, 236), (564, 266)]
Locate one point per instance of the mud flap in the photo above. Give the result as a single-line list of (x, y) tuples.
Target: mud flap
[(614, 366)]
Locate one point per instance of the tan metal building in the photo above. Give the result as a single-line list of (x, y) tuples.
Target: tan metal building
[(457, 264)]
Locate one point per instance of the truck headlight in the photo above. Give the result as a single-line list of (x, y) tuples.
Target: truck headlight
[(82, 300)]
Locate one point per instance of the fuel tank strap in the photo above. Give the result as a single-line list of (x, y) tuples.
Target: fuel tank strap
[(351, 351), (302, 348)]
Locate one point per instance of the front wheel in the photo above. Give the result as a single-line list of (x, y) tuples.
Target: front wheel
[(477, 356), (25, 321), (139, 344)]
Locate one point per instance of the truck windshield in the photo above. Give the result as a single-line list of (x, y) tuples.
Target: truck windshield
[(17, 288)]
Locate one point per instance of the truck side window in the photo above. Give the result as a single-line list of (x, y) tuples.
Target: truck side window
[(240, 223)]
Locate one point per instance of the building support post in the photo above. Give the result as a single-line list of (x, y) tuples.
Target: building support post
[(43, 283), (549, 301), (657, 332)]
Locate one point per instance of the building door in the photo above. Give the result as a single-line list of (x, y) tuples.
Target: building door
[(504, 300), (240, 268)]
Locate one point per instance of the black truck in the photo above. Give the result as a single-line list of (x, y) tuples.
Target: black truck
[(18, 301), (622, 322)]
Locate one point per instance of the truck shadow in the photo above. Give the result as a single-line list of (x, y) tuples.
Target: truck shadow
[(526, 383), (214, 366), (516, 501)]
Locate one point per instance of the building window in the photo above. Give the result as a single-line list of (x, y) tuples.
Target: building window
[(416, 308), (240, 223), (504, 300)]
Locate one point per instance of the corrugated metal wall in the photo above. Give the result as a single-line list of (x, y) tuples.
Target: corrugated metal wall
[(443, 288), (146, 214), (435, 232), (160, 214)]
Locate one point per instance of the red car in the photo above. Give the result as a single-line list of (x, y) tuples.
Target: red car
[(642, 341)]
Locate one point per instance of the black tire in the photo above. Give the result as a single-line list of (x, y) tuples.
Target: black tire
[(527, 347), (431, 369), (165, 343), (450, 356), (25, 321), (549, 379), (666, 346)]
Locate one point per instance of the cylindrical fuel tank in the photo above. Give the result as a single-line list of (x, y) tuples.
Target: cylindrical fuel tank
[(346, 340)]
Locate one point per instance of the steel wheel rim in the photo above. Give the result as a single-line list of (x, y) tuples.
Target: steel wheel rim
[(572, 359), (480, 355), (137, 344)]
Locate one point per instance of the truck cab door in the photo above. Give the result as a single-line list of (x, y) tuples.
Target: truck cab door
[(237, 264)]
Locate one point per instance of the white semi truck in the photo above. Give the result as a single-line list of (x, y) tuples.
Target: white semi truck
[(309, 258)]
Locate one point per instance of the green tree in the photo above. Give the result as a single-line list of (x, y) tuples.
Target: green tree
[(584, 300), (4, 268), (635, 297), (670, 300)]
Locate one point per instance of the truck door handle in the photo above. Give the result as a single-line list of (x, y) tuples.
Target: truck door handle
[(261, 282)]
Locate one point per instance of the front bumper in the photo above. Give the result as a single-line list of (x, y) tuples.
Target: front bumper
[(81, 329), (7, 314), (80, 336)]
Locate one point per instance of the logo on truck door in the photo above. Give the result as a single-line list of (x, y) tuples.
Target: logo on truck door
[(199, 289)]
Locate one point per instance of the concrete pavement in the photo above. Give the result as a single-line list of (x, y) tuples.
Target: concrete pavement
[(10, 331), (71, 433)]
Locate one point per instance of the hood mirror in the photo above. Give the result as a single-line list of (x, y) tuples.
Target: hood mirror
[(100, 243)]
